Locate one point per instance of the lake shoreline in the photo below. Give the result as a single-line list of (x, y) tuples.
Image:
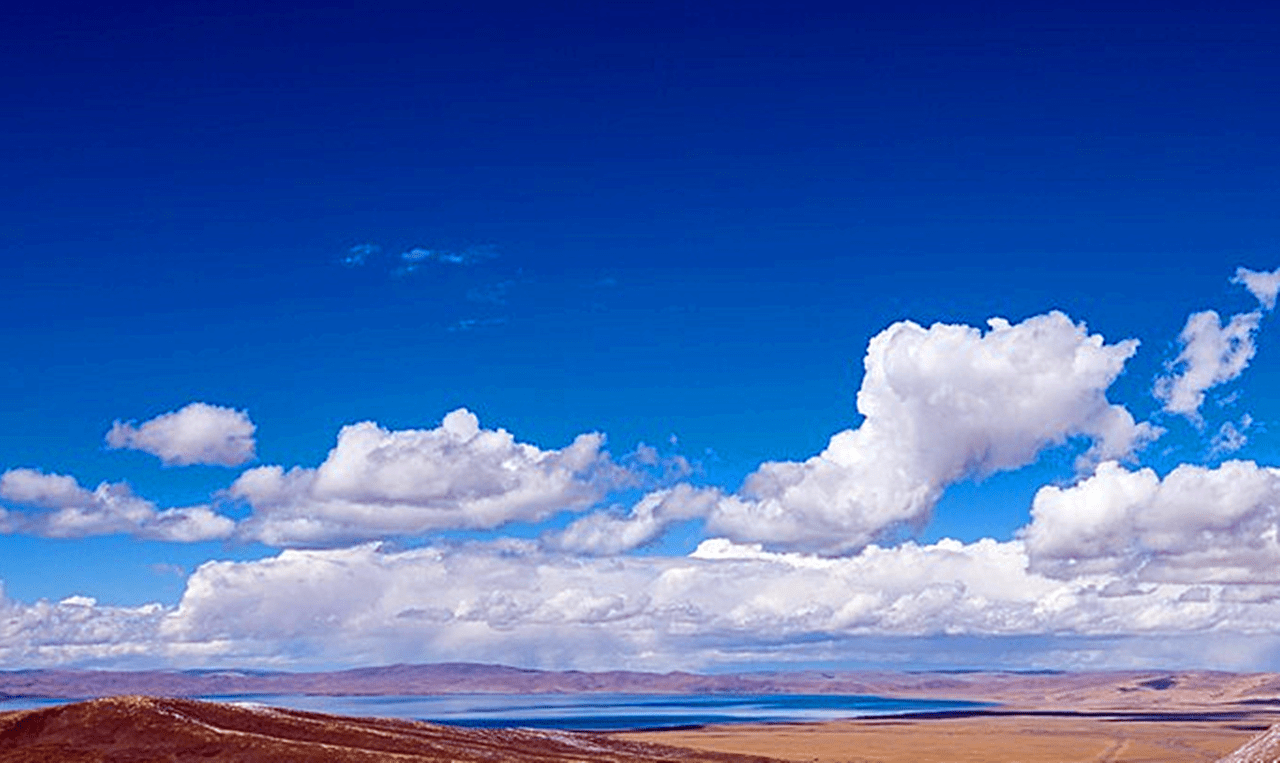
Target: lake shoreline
[(584, 712), (246, 732)]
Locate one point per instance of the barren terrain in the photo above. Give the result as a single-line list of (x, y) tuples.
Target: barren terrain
[(1182, 717), (980, 739), (1130, 717)]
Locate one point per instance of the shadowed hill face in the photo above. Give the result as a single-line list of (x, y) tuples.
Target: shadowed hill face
[(144, 729)]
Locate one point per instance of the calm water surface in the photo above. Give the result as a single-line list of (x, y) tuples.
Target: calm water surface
[(587, 712)]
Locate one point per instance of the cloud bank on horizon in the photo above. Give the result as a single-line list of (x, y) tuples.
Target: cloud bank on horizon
[(807, 561)]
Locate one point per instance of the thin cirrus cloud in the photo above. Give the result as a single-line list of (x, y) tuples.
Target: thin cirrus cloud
[(360, 254), (469, 256), (57, 506), (940, 404), (473, 324), (197, 433), (494, 293), (378, 482), (414, 258)]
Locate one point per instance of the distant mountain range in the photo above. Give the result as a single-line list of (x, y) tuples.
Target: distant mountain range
[(443, 678)]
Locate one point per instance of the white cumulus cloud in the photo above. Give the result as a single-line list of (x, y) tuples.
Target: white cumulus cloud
[(615, 532), (1261, 284), (725, 604), (198, 433), (57, 506), (513, 603), (79, 631), (940, 404), (377, 483), (1211, 354), (1195, 525)]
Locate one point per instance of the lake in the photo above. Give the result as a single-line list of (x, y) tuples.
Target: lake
[(587, 712)]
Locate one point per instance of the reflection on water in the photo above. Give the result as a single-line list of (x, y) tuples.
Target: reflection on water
[(586, 712)]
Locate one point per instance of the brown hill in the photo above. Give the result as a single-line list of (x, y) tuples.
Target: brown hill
[(150, 730)]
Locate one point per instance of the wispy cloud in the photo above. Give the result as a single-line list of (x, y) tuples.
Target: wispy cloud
[(471, 324), (493, 293), (1262, 285), (415, 258), (1231, 436), (1212, 354), (360, 254), (416, 262)]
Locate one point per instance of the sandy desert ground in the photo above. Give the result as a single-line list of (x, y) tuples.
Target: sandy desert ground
[(1024, 739), (1189, 717)]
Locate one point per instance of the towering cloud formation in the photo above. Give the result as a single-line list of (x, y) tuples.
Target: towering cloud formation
[(941, 404), (198, 433), (377, 482), (1212, 354), (58, 507)]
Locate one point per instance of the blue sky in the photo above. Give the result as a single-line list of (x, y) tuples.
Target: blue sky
[(677, 225)]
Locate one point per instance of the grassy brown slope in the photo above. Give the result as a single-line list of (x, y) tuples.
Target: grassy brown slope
[(147, 730)]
